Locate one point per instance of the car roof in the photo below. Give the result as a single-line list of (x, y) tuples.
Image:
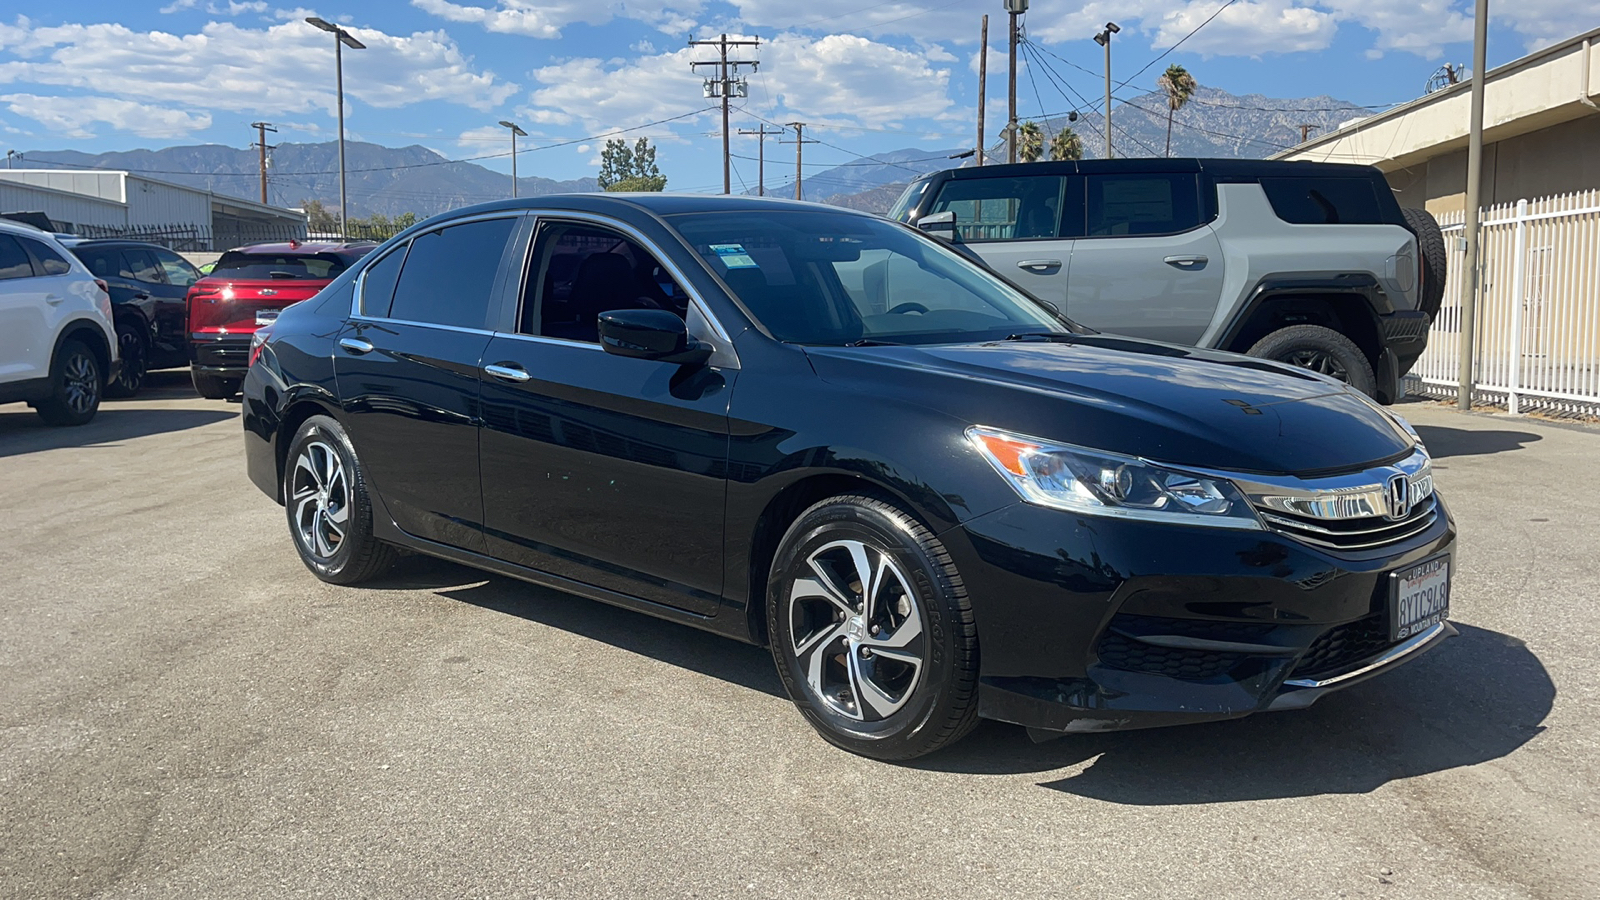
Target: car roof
[(278, 248), (74, 243), (1224, 168), (656, 203)]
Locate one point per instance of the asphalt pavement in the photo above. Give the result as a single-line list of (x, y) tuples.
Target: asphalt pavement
[(186, 712)]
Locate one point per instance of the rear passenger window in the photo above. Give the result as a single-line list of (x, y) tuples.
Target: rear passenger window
[(1003, 209), (102, 263), (14, 262), (449, 275), (1145, 204), (1323, 201), (51, 260), (377, 285), (141, 266)]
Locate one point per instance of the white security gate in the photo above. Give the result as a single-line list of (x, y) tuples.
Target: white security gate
[(1538, 334)]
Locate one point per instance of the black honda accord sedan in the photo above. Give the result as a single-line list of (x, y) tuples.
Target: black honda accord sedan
[(935, 498)]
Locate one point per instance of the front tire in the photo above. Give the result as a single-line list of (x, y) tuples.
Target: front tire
[(325, 496), (1320, 350), (76, 385), (214, 387), (871, 630), (134, 351)]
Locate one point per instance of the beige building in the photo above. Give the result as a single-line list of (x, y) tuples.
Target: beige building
[(1541, 133)]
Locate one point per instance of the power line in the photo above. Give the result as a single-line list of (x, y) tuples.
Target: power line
[(1191, 34)]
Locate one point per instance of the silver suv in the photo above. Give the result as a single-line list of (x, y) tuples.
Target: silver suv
[(1312, 264)]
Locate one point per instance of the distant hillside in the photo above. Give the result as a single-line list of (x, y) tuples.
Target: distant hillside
[(874, 200), (896, 166), (380, 179)]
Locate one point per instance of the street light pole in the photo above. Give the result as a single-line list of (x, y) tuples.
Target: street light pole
[(341, 39), (1014, 8), (1469, 271), (514, 132), (1104, 40)]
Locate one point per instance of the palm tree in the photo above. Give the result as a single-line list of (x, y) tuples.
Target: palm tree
[(1180, 86), (1030, 142), (1066, 145)]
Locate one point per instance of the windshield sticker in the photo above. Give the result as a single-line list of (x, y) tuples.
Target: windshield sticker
[(733, 256)]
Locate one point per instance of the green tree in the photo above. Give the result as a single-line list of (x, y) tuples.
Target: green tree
[(1066, 145), (1180, 87), (1030, 142), (630, 169), (319, 219)]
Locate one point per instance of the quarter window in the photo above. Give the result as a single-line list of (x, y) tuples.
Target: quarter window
[(377, 286), (178, 270), (14, 262), (1323, 201), (1145, 204), (139, 265), (1003, 209), (449, 275), (49, 260)]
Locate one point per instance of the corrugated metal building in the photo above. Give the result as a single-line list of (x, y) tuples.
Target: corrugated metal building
[(97, 202)]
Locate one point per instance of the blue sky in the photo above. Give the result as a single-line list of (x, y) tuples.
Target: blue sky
[(94, 75)]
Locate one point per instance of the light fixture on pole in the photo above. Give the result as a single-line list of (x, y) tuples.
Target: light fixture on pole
[(514, 132), (1104, 40), (341, 39)]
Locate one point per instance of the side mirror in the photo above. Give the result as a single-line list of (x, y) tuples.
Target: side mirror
[(651, 334), (941, 225)]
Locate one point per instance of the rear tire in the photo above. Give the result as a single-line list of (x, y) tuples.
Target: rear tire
[(325, 497), (1320, 350), (214, 387), (1433, 259), (871, 630), (76, 385), (134, 351)]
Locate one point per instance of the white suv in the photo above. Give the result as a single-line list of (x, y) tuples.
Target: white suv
[(58, 346)]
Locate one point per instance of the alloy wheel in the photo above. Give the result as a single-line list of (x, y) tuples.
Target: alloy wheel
[(319, 492), (81, 381), (1318, 361), (857, 630), (131, 350)]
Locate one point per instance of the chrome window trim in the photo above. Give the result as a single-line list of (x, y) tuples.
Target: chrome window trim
[(378, 320), (541, 339), (361, 278)]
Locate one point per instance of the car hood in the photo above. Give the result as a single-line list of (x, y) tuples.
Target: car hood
[(1166, 403)]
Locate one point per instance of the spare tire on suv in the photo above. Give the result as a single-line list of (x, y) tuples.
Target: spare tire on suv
[(1434, 259)]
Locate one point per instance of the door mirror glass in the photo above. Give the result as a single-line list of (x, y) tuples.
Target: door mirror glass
[(650, 334), (941, 225)]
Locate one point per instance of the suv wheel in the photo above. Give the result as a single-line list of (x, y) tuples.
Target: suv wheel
[(1320, 350), (330, 513), (871, 630), (214, 387), (75, 386), (134, 351)]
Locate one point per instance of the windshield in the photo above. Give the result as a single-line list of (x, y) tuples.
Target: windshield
[(837, 278), (901, 211), (317, 266)]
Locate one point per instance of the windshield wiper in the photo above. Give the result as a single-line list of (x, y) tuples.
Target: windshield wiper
[(873, 342), (1060, 337)]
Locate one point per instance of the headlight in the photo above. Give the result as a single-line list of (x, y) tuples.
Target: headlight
[(1105, 484)]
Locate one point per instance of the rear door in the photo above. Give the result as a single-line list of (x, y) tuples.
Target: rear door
[(407, 369), (27, 315), (1015, 224), (169, 295), (1147, 265)]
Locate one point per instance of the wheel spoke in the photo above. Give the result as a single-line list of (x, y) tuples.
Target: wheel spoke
[(319, 544), (815, 656), (822, 586), (863, 566), (305, 464), (867, 692), (901, 656), (901, 637)]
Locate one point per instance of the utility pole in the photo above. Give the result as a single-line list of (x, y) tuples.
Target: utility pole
[(761, 156), (1469, 272), (341, 39), (261, 144), (1015, 8), (800, 143), (514, 132), (1104, 40), (983, 81), (1305, 130), (724, 86)]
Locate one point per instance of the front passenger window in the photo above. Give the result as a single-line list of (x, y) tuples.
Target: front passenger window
[(581, 271), (1003, 209)]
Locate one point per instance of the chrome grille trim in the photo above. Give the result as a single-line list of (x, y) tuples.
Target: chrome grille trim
[(1355, 511)]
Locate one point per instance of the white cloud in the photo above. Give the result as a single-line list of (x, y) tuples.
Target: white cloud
[(948, 22), (263, 70), (1249, 28), (73, 116), (1421, 27), (177, 5), (546, 18)]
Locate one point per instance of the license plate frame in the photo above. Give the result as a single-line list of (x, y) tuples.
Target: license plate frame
[(1419, 597), (266, 316)]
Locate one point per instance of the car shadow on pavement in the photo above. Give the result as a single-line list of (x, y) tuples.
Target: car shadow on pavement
[(679, 645), (1443, 442), (22, 431), (1475, 698)]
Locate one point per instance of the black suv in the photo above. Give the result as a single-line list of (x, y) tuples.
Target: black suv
[(148, 283)]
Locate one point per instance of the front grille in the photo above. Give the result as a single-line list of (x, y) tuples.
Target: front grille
[(1341, 647), (1121, 652), (1352, 534)]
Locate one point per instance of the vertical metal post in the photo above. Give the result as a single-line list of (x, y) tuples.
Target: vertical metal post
[(261, 145), (1469, 272), (1011, 93), (1519, 293), (983, 81), (799, 170), (727, 149), (1108, 95), (338, 65), (761, 164), (513, 165)]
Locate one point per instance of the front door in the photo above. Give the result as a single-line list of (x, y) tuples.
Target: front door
[(408, 368), (1147, 266), (1016, 225), (603, 469)]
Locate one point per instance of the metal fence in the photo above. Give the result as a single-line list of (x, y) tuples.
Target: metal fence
[(190, 237), (1537, 343)]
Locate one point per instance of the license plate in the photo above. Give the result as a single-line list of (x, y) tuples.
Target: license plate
[(1419, 598), (266, 316)]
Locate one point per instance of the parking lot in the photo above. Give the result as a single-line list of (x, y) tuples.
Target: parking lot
[(186, 712)]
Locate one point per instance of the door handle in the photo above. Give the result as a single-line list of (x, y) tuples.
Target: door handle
[(1039, 264), (53, 299), (142, 295), (1186, 262), (355, 345), (513, 373)]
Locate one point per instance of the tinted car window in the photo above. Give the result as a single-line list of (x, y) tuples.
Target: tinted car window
[(48, 259), (1124, 205), (901, 211), (1003, 209), (583, 271), (314, 266), (377, 286), (448, 277), (14, 262), (177, 269), (100, 261), (140, 265), (1323, 201)]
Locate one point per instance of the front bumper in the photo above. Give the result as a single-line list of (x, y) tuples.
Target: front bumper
[(226, 355), (1079, 634)]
